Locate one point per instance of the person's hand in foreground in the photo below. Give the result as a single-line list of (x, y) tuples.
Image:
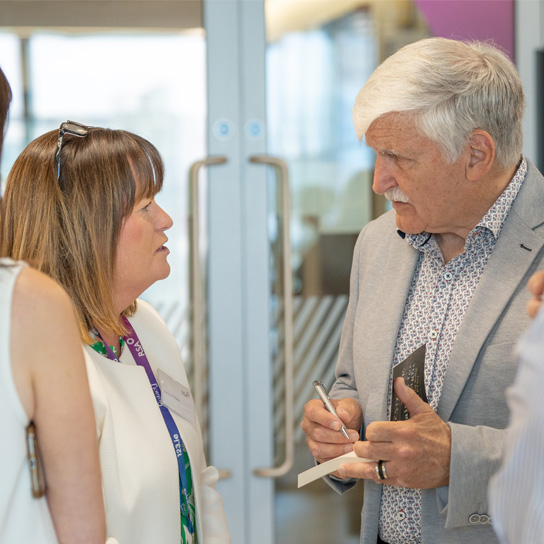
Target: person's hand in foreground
[(536, 286)]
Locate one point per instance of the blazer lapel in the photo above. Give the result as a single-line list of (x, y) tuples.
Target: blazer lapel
[(507, 270), (397, 271)]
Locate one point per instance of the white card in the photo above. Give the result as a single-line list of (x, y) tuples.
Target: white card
[(176, 397), (329, 466)]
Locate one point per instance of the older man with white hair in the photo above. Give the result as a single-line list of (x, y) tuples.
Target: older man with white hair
[(437, 294)]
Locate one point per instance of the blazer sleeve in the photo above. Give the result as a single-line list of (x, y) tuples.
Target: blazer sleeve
[(345, 384), (475, 456)]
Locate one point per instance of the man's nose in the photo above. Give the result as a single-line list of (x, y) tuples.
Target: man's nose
[(384, 177)]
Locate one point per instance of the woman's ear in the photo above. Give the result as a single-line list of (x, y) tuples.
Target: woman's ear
[(481, 147)]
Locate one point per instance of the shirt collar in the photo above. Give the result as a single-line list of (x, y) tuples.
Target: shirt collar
[(495, 217)]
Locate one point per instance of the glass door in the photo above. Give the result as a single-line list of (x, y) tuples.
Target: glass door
[(155, 68), (250, 106), (318, 57), (294, 194)]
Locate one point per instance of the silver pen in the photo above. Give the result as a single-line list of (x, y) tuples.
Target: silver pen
[(324, 396)]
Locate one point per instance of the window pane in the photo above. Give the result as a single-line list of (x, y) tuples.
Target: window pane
[(150, 84)]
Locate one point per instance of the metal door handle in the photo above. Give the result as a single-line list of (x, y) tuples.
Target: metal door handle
[(198, 340), (282, 175)]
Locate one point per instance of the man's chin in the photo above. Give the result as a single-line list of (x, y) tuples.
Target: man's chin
[(407, 227)]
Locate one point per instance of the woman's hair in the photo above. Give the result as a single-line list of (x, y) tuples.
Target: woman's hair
[(5, 99), (69, 228), (452, 88)]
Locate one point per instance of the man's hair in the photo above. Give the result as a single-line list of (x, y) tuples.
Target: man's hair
[(5, 99), (451, 88), (69, 228)]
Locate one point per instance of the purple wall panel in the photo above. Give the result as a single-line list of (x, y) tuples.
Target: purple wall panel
[(472, 20)]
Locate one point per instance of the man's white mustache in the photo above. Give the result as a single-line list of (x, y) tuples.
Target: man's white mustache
[(395, 194)]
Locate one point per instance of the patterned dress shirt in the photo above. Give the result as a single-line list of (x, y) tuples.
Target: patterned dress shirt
[(436, 304)]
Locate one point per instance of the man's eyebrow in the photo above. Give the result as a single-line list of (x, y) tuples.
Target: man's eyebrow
[(388, 151)]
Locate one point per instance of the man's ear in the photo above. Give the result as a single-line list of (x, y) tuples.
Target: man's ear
[(481, 149)]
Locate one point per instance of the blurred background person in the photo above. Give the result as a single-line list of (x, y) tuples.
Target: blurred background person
[(516, 492)]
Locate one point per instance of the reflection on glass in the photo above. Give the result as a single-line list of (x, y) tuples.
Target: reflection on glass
[(318, 58), (313, 78)]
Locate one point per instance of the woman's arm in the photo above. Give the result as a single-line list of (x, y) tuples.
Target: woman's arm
[(51, 379)]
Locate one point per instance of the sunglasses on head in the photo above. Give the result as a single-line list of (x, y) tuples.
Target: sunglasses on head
[(73, 128)]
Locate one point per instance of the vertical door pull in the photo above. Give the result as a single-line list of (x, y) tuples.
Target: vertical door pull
[(199, 340), (282, 176)]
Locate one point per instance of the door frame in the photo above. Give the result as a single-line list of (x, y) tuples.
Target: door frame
[(240, 374)]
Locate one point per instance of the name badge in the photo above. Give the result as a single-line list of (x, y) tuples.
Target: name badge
[(176, 397)]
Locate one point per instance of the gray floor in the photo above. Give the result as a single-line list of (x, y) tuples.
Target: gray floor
[(315, 514)]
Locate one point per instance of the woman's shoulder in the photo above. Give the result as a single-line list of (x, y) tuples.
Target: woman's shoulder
[(41, 308), (43, 313), (38, 295)]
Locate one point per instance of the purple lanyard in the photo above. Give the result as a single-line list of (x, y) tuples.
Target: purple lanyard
[(137, 350)]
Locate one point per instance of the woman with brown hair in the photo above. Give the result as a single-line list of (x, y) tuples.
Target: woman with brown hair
[(79, 205), (44, 392)]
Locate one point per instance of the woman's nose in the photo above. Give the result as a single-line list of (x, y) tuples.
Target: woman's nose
[(164, 221)]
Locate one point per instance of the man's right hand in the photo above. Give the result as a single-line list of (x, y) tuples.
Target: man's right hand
[(322, 429)]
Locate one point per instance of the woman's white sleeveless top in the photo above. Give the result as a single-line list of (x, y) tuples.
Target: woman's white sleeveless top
[(23, 519)]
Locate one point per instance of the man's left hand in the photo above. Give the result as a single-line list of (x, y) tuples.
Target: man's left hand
[(415, 452)]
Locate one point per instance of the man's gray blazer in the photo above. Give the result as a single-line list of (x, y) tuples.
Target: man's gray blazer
[(482, 363)]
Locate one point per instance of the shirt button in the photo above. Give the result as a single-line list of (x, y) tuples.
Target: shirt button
[(474, 518), (448, 276), (401, 516), (484, 519), (433, 334)]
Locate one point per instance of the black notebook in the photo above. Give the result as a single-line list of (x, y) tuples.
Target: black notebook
[(412, 369)]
